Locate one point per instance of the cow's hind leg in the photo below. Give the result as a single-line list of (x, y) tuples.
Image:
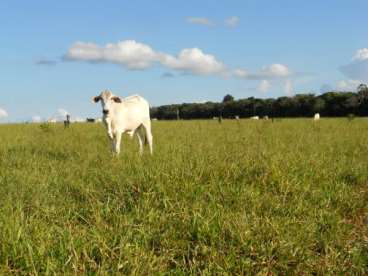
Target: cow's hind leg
[(140, 140)]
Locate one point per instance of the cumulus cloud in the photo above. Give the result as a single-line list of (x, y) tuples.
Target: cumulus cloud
[(358, 68), (36, 119), (276, 70), (264, 86), (361, 54), (273, 71), (241, 73), (130, 53), (232, 21), (193, 60), (138, 56), (3, 113), (341, 86), (347, 85), (135, 55), (200, 21)]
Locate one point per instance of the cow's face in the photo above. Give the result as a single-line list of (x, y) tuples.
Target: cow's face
[(107, 100)]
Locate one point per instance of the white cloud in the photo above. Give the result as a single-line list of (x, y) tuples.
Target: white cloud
[(3, 113), (276, 70), (135, 55), (289, 87), (36, 119), (130, 53), (240, 73), (272, 71), (264, 86), (200, 21), (361, 54), (347, 85), (232, 21), (195, 61)]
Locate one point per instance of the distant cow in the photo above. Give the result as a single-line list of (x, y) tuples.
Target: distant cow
[(125, 115), (67, 121), (316, 117), (90, 120), (254, 118)]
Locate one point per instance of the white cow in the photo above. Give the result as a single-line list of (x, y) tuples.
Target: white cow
[(125, 115), (316, 117), (254, 118)]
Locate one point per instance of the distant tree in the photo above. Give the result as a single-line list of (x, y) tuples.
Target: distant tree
[(363, 99), (228, 98), (352, 104), (318, 106), (362, 92), (304, 104), (300, 105), (362, 87)]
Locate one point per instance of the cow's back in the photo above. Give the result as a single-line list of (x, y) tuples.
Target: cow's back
[(136, 102), (133, 111)]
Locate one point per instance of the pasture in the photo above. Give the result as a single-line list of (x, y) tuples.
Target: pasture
[(238, 197)]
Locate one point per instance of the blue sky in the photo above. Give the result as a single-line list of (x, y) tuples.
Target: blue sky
[(56, 55)]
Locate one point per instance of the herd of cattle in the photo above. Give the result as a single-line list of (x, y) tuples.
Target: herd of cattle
[(131, 115)]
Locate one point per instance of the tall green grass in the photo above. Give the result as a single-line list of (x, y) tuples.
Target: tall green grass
[(288, 197)]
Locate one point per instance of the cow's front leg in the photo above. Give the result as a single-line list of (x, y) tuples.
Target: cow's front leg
[(117, 141), (112, 142), (109, 128)]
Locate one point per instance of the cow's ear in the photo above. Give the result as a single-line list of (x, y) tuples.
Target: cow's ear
[(116, 99), (96, 99)]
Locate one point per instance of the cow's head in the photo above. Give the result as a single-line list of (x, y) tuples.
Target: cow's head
[(107, 100)]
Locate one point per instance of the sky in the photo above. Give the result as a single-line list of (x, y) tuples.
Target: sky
[(56, 55)]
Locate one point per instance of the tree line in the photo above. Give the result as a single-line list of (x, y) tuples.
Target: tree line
[(329, 104)]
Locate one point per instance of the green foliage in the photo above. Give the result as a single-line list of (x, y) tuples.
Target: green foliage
[(228, 98), (330, 104), (241, 197)]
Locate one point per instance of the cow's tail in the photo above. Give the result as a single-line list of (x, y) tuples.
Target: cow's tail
[(143, 133), (148, 135), (145, 142)]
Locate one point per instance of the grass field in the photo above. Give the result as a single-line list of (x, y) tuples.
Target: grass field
[(238, 197)]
